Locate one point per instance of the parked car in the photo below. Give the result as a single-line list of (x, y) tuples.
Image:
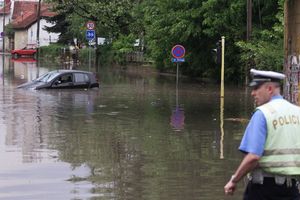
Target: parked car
[(29, 50), (63, 79)]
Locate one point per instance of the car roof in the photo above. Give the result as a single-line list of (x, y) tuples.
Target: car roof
[(64, 71)]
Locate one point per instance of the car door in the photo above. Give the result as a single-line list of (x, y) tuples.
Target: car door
[(63, 81), (81, 80)]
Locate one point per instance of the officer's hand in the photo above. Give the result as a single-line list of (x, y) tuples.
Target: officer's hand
[(229, 188)]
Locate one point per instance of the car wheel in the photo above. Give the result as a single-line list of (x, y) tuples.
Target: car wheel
[(15, 55)]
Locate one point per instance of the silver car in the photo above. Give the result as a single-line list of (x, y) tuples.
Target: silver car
[(63, 79)]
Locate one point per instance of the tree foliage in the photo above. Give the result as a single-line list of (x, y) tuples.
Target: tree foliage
[(112, 17), (265, 49), (122, 46)]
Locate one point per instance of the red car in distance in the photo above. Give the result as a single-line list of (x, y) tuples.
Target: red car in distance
[(29, 50)]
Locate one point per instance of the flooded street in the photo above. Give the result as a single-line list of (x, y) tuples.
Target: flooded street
[(134, 138)]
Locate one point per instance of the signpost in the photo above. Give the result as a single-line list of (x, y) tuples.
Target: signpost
[(177, 60), (178, 52), (90, 25), (90, 35)]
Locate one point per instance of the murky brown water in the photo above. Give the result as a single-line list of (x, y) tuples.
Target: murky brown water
[(131, 139)]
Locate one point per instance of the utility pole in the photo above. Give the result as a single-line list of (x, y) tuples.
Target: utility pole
[(249, 32), (38, 23), (38, 35), (249, 19), (3, 39), (3, 31)]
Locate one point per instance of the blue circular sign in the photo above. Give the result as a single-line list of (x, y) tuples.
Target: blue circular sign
[(178, 51)]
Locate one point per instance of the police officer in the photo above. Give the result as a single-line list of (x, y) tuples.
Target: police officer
[(271, 144)]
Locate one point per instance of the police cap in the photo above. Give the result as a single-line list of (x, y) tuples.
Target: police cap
[(259, 77)]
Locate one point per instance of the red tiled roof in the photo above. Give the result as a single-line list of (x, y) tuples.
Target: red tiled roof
[(6, 9), (25, 13)]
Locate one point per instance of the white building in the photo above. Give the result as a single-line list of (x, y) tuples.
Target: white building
[(22, 15)]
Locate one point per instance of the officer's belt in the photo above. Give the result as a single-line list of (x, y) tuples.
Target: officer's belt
[(257, 177)]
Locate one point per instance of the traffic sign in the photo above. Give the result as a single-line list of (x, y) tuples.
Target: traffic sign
[(92, 42), (178, 60), (90, 34), (90, 25), (178, 51)]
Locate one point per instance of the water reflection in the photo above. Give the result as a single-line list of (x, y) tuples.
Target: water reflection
[(116, 142), (32, 133), (177, 117), (222, 127), (24, 60)]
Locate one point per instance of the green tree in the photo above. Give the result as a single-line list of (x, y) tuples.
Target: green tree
[(122, 46), (265, 49), (61, 24), (111, 17), (168, 23)]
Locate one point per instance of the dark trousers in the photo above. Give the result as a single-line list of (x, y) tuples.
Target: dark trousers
[(269, 190)]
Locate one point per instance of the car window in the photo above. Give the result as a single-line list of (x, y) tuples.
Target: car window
[(63, 81), (66, 78), (46, 78), (81, 77)]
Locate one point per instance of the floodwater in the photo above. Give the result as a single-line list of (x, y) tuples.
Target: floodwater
[(137, 137)]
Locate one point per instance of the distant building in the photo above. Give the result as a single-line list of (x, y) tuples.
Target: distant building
[(23, 15)]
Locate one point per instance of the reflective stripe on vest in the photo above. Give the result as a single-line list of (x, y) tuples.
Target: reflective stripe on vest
[(282, 147)]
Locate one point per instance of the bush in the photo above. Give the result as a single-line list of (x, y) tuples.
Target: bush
[(51, 51)]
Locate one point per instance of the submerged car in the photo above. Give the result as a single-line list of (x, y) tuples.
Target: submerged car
[(63, 79), (29, 50)]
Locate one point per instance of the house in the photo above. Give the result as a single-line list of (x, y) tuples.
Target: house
[(5, 12), (23, 17)]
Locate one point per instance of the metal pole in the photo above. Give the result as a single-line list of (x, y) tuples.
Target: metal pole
[(38, 31), (90, 58), (3, 36), (222, 67), (249, 19), (222, 98), (249, 32), (177, 85), (3, 40)]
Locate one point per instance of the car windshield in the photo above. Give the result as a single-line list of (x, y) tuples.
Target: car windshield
[(46, 78)]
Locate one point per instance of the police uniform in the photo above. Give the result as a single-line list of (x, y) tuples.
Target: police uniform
[(273, 134)]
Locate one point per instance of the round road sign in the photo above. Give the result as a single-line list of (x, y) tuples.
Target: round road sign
[(178, 51), (90, 25)]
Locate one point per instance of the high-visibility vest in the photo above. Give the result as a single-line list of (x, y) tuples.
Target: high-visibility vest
[(282, 147)]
